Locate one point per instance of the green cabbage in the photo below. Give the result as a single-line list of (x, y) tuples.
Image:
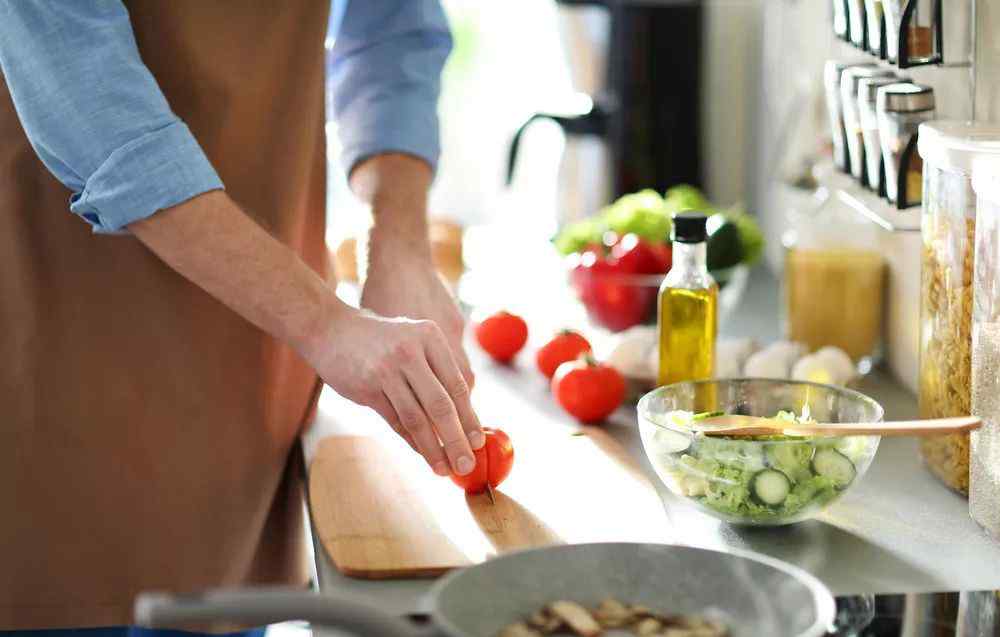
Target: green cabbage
[(685, 197), (648, 215)]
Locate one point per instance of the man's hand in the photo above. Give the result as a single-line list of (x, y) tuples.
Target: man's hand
[(404, 370), (401, 284)]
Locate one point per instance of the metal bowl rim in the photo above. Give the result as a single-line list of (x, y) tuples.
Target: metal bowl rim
[(825, 606)]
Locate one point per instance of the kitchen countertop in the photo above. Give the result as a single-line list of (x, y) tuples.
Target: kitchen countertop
[(898, 531)]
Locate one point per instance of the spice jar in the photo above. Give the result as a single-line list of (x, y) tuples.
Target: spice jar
[(913, 32), (852, 119), (984, 448), (900, 109), (948, 228), (874, 166), (832, 73), (920, 33), (840, 19), (875, 22), (893, 12), (856, 23), (834, 281)]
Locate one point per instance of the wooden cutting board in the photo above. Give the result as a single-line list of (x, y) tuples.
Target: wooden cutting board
[(381, 513)]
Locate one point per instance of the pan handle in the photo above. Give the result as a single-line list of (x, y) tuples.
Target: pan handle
[(260, 606)]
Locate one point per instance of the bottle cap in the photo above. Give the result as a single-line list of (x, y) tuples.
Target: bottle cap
[(868, 87), (905, 97), (689, 227)]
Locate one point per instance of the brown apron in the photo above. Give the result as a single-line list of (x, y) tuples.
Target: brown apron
[(146, 431)]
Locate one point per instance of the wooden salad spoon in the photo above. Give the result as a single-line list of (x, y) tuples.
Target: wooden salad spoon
[(733, 425)]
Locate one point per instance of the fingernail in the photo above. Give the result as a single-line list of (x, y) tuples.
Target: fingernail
[(477, 439), (441, 468), (465, 464)]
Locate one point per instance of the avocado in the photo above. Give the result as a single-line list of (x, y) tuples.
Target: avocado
[(724, 247)]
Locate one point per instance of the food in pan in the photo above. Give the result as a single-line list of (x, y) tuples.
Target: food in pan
[(565, 617)]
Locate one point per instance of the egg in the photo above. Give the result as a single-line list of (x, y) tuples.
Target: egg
[(731, 355), (839, 362), (829, 365), (813, 368), (766, 364), (631, 353), (775, 360)]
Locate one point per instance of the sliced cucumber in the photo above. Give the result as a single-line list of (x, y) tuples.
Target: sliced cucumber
[(832, 464), (770, 487)]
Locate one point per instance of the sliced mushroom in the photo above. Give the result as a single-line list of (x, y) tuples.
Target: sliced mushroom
[(703, 626), (648, 627), (519, 629), (578, 618), (641, 611), (545, 621), (613, 614), (677, 632)]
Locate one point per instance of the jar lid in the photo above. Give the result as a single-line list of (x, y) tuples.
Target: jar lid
[(956, 144), (852, 74), (868, 86), (905, 97), (833, 69)]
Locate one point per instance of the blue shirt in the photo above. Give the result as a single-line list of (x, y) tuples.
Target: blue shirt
[(97, 119)]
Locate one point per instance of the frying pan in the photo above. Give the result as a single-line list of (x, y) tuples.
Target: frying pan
[(754, 595)]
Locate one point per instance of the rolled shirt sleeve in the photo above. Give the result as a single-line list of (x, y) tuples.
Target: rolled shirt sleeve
[(94, 113), (385, 76)]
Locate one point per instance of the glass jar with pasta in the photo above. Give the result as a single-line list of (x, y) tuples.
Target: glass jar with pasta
[(948, 228), (984, 447)]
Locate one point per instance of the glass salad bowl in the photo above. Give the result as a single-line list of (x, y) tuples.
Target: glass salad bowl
[(761, 481)]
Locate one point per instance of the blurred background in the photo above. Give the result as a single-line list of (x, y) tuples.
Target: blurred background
[(519, 57), (552, 110)]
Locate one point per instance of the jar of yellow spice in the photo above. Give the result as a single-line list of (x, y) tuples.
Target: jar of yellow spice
[(834, 279), (948, 229)]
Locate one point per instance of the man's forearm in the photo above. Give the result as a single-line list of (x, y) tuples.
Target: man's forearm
[(213, 243), (396, 188), (403, 369)]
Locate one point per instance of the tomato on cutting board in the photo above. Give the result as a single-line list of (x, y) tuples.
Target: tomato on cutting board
[(502, 335), (565, 346), (588, 390), (493, 463)]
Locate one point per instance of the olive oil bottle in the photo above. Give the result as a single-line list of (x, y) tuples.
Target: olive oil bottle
[(688, 304)]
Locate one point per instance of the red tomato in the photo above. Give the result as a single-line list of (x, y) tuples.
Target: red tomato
[(610, 294), (565, 346), (665, 254), (502, 335), (588, 390), (493, 463), (636, 256)]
